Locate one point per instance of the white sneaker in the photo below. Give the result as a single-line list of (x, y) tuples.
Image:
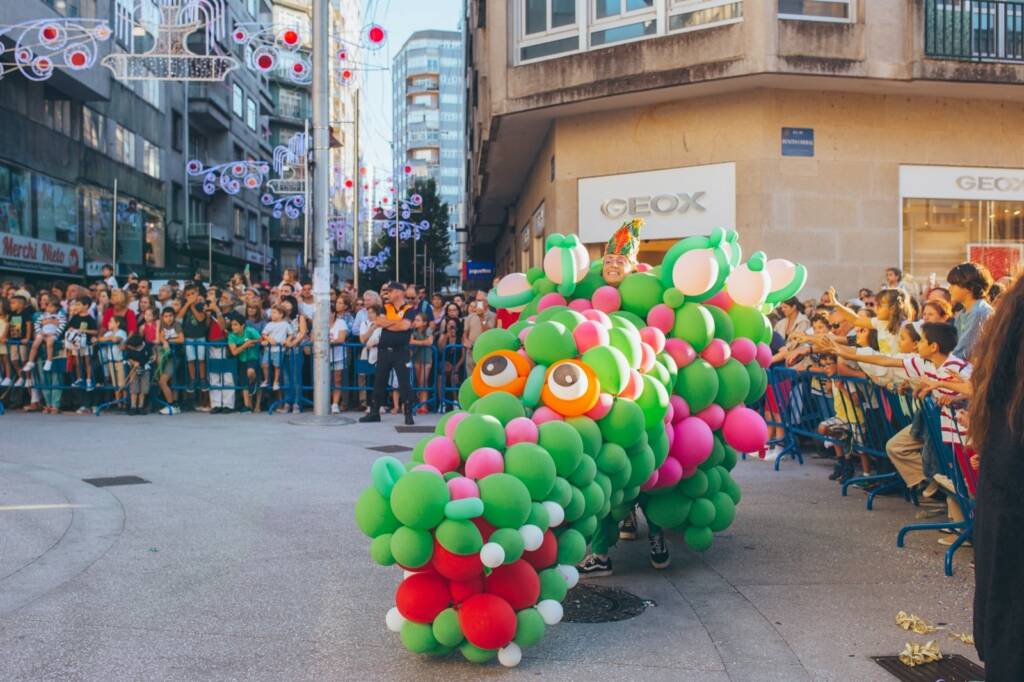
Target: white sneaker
[(167, 409), (83, 410), (335, 409), (772, 453), (6, 382), (277, 386), (47, 366), (265, 384), (20, 382), (296, 409), (27, 367)]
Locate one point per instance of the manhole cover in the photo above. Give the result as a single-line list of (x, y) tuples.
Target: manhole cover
[(414, 429), (309, 419), (599, 604), (953, 668), (391, 449), (115, 480)]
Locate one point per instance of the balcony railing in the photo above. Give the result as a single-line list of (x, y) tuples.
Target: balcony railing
[(974, 30)]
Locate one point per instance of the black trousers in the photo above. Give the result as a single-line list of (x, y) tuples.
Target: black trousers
[(392, 359)]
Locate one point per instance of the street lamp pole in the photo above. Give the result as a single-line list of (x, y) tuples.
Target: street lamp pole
[(321, 205)]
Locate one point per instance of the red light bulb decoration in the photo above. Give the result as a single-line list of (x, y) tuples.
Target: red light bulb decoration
[(408, 170), (376, 35)]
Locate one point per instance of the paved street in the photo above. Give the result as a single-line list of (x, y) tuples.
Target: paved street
[(241, 560)]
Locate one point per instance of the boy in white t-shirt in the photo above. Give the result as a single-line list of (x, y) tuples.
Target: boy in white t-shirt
[(339, 332), (275, 333)]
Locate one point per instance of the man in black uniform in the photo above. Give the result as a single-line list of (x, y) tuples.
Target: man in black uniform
[(393, 352)]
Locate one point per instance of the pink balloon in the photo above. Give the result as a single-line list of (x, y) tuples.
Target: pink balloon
[(694, 442), (647, 358), (680, 410), (764, 355), (522, 351), (654, 337), (523, 333), (546, 414), (461, 487), (427, 467), (681, 351), (549, 300), (453, 421), (669, 473), (589, 334), (602, 408), (670, 413), (634, 387), (579, 304), (662, 317), (443, 454), (688, 472), (713, 416), (521, 430), (670, 434), (483, 462), (607, 299), (720, 300), (744, 429), (644, 267), (599, 317), (717, 353), (651, 481), (744, 350)]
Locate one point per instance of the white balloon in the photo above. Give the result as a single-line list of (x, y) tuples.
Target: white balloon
[(394, 620), (695, 272), (556, 515), (747, 287), (533, 537), (780, 272), (550, 611), (510, 655), (571, 575), (492, 555), (514, 283), (553, 263)]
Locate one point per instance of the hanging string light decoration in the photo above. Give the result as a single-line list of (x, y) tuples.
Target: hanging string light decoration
[(230, 177), (275, 46), (291, 206), (290, 164), (398, 219), (170, 24), (370, 38), (373, 262), (41, 46)]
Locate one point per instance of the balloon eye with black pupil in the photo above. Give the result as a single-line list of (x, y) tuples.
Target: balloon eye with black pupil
[(568, 382), (498, 371)]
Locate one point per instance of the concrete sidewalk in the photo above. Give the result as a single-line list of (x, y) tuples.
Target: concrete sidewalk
[(241, 560)]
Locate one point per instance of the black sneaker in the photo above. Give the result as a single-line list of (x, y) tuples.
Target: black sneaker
[(368, 418), (627, 527), (408, 419), (659, 551), (594, 566)]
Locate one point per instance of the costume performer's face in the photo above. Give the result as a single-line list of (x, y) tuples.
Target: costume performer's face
[(615, 268)]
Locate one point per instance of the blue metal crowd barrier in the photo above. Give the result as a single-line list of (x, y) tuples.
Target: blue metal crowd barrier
[(454, 358)]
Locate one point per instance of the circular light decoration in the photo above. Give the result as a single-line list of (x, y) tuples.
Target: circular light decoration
[(289, 37), (407, 170), (51, 35), (38, 47), (226, 175), (240, 36), (300, 71), (342, 55), (252, 181), (385, 200), (264, 59), (349, 184), (42, 67), (376, 36), (77, 59)]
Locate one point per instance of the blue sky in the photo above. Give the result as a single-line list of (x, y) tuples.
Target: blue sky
[(400, 18)]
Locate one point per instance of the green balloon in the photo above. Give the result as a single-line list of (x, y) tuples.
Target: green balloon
[(697, 383), (380, 550), (731, 488), (669, 364), (417, 451), (511, 541), (610, 366), (549, 342), (695, 486), (467, 396), (479, 431), (447, 630), (695, 325), (653, 402), (725, 512), (534, 274), (466, 508), (641, 466), (659, 373), (611, 458), (529, 627), (698, 538), (569, 317), (586, 525), (673, 298), (532, 465), (411, 548), (439, 429), (492, 340), (591, 283), (758, 382), (550, 312), (571, 547), (418, 499), (716, 456), (640, 292), (475, 654), (714, 481), (659, 446), (518, 326), (563, 443), (506, 500), (616, 498), (731, 457), (667, 511), (603, 482), (459, 537), (587, 428), (623, 319), (750, 323), (584, 473), (417, 637), (702, 513), (544, 286), (561, 492), (593, 498), (624, 423), (733, 384), (620, 478), (539, 516), (502, 406), (574, 509), (552, 584), (628, 343), (373, 514), (723, 323)]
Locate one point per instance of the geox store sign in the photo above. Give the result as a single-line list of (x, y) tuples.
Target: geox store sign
[(674, 203), (961, 182)]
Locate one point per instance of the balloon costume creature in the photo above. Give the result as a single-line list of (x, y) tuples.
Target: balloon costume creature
[(621, 384)]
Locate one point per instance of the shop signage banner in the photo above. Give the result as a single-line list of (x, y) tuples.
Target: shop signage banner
[(962, 182), (798, 141), (674, 203), (25, 254), (479, 270)]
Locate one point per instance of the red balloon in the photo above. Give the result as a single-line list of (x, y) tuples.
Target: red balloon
[(488, 621), (546, 555), (517, 583), (422, 596), (464, 589), (484, 527), (456, 566)]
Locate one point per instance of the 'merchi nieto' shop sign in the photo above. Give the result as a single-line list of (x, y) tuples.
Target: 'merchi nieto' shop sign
[(35, 255)]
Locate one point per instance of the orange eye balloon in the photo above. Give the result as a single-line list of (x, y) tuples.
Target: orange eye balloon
[(570, 388), (502, 370)]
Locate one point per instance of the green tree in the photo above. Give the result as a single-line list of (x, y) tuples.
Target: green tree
[(432, 249)]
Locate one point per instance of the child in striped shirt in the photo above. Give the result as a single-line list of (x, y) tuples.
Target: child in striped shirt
[(49, 327)]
